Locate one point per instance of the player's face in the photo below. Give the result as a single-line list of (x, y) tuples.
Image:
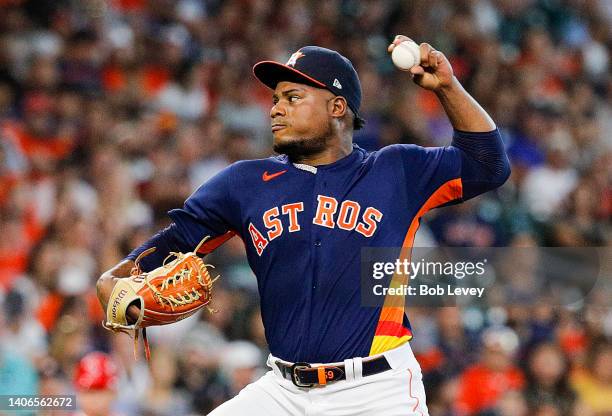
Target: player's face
[(300, 119)]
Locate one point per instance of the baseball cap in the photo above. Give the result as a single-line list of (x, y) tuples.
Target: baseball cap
[(96, 371), (317, 67)]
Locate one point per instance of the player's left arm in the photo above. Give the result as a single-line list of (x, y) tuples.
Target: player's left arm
[(483, 160)]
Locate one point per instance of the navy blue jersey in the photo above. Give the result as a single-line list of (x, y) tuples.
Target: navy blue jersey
[(304, 228)]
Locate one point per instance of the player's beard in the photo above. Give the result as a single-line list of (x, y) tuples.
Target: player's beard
[(300, 148)]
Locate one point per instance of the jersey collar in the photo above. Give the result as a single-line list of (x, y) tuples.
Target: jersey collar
[(355, 157)]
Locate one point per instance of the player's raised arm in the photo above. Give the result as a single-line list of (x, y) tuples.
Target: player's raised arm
[(434, 73), (477, 148)]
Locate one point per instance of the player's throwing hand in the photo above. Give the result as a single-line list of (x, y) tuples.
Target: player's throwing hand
[(434, 72)]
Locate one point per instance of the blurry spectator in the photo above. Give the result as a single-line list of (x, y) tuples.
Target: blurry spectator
[(21, 334), (161, 399), (210, 143), (53, 382), (241, 365), (442, 400), (133, 375), (185, 95), (594, 383), (82, 60), (200, 354), (542, 323), (582, 217), (572, 338), (19, 237), (548, 383), (70, 340), (547, 186), (239, 113), (238, 146), (511, 403), (6, 99), (449, 352), (43, 271), (526, 148), (482, 385), (38, 137), (465, 226), (455, 343), (44, 74), (17, 374)]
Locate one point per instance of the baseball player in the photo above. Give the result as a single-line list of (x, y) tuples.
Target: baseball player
[(305, 215)]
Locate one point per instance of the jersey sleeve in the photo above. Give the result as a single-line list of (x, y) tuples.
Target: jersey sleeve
[(209, 212), (474, 163)]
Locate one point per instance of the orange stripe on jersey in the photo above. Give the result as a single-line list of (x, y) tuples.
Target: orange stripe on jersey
[(450, 191), (390, 331), (213, 243), (390, 313)]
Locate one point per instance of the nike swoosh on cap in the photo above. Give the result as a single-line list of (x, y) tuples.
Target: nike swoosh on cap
[(269, 176)]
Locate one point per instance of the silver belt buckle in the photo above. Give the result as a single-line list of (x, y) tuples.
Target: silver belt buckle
[(294, 376)]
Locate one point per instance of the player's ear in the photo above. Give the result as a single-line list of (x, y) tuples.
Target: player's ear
[(338, 107)]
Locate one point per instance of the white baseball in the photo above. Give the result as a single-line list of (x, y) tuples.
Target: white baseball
[(406, 55)]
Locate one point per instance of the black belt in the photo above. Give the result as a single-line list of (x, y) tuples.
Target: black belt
[(305, 375)]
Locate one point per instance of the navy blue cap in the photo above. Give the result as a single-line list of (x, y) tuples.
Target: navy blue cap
[(318, 67)]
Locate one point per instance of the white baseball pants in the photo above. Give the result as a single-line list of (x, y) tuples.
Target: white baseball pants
[(395, 392)]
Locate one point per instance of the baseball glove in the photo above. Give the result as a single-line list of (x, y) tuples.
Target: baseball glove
[(170, 293)]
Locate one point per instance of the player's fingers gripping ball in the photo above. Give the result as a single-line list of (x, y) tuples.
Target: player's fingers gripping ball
[(405, 55), (167, 294), (428, 68)]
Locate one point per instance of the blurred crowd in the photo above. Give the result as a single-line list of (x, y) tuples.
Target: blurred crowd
[(113, 111)]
